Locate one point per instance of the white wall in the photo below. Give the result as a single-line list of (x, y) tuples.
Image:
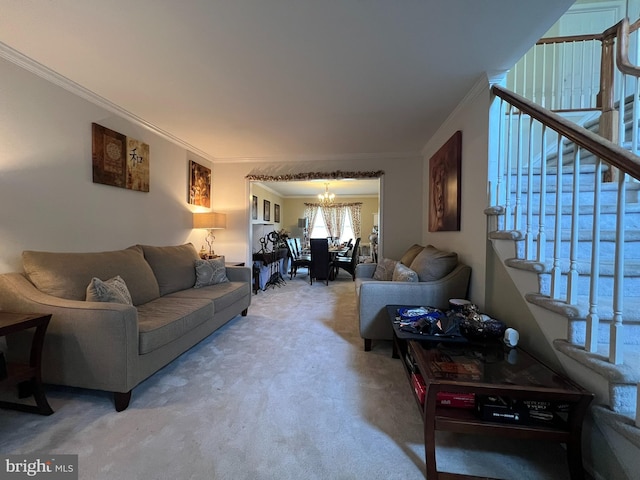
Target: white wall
[(471, 117), (48, 200)]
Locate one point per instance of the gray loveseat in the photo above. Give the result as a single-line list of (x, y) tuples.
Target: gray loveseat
[(110, 346), (423, 276)]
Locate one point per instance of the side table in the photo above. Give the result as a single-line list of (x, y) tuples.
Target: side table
[(22, 372)]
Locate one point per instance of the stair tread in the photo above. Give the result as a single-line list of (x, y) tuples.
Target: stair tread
[(627, 373), (631, 307), (583, 267), (622, 422)]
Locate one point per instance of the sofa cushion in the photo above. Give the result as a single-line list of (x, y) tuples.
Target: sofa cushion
[(174, 266), (210, 272), (222, 295), (410, 255), (112, 290), (402, 273), (165, 319), (384, 269), (433, 264), (66, 275)]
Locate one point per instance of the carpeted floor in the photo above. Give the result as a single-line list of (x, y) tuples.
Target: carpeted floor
[(284, 393)]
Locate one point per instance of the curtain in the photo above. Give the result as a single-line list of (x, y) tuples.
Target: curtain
[(356, 218), (310, 211), (334, 216)]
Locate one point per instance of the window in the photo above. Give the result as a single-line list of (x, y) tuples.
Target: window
[(319, 229)]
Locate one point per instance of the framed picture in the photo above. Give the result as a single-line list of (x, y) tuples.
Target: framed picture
[(266, 214), (276, 213), (254, 208), (444, 186), (119, 161), (199, 184)]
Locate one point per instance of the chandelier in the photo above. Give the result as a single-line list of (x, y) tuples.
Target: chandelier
[(326, 198)]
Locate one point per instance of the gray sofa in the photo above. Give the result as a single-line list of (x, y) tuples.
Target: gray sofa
[(111, 346), (423, 276)]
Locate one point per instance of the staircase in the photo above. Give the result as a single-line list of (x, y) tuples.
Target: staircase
[(555, 279)]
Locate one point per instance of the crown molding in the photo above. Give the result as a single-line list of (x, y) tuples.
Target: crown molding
[(51, 76), (320, 157)]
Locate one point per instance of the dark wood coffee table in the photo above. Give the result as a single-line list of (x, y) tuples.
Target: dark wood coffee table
[(491, 370), (26, 373)]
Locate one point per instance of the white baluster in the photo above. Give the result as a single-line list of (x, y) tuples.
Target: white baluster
[(528, 250), (593, 320), (617, 338), (572, 279), (556, 272), (542, 236)]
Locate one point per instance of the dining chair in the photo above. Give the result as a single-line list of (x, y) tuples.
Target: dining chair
[(297, 259), (321, 264), (349, 263)]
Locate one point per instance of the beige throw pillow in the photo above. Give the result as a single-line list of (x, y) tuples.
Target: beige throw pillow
[(402, 273), (384, 269), (433, 264), (113, 290)]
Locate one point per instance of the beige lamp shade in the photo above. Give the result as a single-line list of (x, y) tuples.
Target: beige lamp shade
[(210, 220)]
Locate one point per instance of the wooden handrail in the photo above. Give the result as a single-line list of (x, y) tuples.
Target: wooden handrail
[(569, 39), (622, 50), (608, 151)]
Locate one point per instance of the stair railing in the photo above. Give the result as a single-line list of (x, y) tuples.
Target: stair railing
[(564, 267)]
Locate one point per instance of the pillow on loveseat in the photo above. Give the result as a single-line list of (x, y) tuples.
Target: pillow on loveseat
[(410, 255), (402, 273), (384, 269), (433, 264)]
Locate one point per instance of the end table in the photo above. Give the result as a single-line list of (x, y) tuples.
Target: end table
[(19, 372)]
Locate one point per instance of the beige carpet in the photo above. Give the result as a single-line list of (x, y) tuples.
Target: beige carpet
[(284, 393)]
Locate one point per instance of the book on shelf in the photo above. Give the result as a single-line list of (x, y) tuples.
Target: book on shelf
[(444, 366)]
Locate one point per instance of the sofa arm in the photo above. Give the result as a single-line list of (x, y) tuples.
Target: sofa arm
[(365, 270), (239, 274), (87, 344), (374, 296)]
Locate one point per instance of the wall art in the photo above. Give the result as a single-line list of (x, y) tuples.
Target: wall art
[(266, 214), (444, 186), (254, 208), (118, 160), (199, 185), (276, 213)]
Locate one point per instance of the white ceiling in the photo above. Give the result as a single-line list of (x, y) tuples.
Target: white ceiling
[(281, 79), (341, 188)]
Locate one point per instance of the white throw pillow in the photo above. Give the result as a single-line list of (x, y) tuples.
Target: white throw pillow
[(402, 273)]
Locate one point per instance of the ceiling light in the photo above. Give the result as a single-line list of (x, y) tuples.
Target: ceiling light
[(326, 198)]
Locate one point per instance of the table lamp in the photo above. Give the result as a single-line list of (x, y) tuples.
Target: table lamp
[(210, 221)]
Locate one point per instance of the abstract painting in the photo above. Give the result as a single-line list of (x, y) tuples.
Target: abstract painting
[(444, 186), (199, 185)]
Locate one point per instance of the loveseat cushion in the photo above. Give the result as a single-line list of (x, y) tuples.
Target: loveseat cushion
[(165, 319), (66, 275), (409, 256), (174, 266), (433, 264)]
